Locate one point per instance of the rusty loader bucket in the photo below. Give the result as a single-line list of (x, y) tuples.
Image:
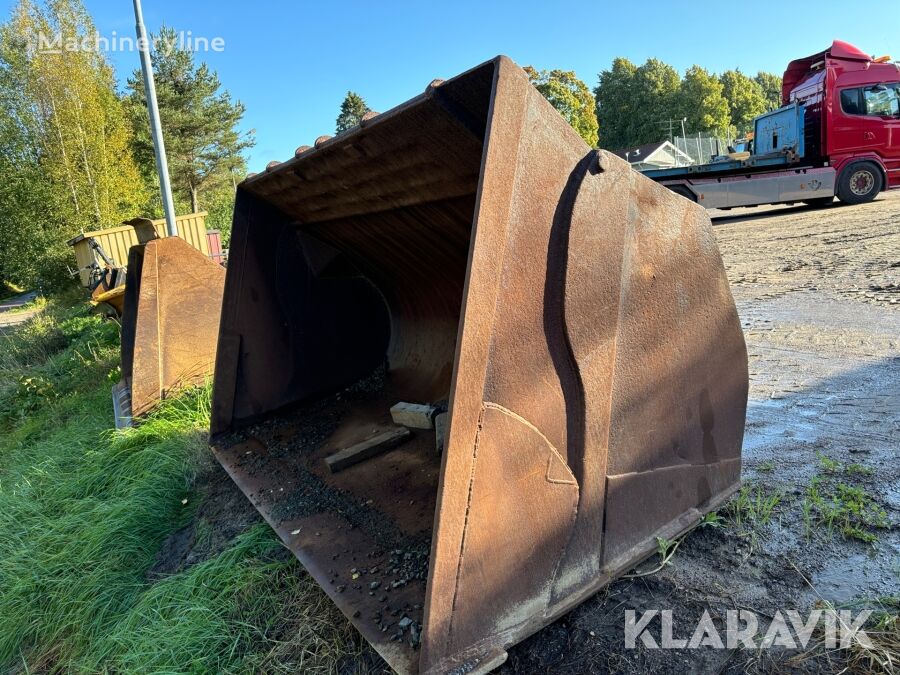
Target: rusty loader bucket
[(466, 262), (170, 323)]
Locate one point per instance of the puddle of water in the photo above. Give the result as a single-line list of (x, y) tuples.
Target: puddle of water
[(770, 423), (860, 575)]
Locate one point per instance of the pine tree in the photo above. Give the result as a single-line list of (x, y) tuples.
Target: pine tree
[(352, 110), (204, 146)]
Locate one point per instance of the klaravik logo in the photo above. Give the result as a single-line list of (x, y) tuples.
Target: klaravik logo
[(743, 630)]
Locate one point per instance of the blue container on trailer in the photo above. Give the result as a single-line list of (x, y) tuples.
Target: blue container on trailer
[(779, 131)]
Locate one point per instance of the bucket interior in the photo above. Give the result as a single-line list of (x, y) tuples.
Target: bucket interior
[(353, 259)]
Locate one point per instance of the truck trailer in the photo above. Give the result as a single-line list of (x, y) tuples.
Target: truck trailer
[(837, 134)]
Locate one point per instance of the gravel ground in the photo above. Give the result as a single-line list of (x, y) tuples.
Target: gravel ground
[(9, 318)]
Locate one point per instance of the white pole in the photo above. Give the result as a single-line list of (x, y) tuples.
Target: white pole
[(159, 147)]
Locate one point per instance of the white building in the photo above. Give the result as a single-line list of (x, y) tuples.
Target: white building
[(660, 155)]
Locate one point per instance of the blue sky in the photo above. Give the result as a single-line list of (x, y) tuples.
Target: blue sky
[(291, 63)]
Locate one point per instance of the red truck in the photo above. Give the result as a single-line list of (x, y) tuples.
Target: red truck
[(838, 134)]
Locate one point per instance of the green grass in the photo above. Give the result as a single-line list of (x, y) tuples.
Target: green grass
[(859, 470), (34, 305), (752, 507), (766, 467), (840, 507), (843, 508), (828, 465), (84, 510)]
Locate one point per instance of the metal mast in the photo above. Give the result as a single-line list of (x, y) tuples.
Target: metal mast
[(159, 147)]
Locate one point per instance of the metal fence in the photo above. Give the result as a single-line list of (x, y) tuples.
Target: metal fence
[(702, 147)]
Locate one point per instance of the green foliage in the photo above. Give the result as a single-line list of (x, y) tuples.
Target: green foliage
[(656, 99), (828, 465), (38, 360), (218, 616), (770, 84), (634, 103), (65, 158), (746, 100), (571, 97), (35, 341), (84, 510), (663, 546), (702, 102), (831, 466), (353, 107), (38, 303), (859, 470), (83, 513), (753, 506), (658, 86), (204, 616), (848, 509), (33, 392), (9, 289), (219, 203), (200, 123), (638, 105), (712, 519), (616, 105), (666, 548)]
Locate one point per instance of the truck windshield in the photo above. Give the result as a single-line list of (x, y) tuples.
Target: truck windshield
[(879, 100)]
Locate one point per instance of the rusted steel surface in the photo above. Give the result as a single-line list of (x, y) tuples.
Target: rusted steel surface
[(170, 320), (468, 249)]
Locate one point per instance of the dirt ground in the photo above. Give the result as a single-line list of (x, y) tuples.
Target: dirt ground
[(10, 316), (818, 292)]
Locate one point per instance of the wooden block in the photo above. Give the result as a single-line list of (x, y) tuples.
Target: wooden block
[(413, 415), (377, 444)]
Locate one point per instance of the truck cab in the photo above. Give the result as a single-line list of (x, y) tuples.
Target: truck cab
[(852, 103)]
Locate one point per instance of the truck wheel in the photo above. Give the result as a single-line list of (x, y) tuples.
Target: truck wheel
[(859, 183), (683, 191)]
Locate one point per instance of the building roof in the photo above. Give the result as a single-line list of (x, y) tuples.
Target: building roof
[(640, 153), (643, 153)]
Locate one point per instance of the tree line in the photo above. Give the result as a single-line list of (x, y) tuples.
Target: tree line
[(642, 104), (633, 105), (76, 153)]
